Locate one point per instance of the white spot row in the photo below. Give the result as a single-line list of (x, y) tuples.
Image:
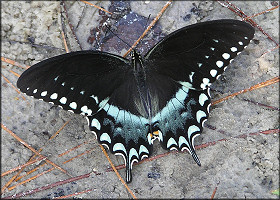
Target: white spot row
[(202, 99), (73, 105), (192, 129), (233, 49), (226, 56), (182, 140), (213, 72), (206, 82), (95, 123), (133, 152), (200, 114), (86, 110), (119, 147), (143, 149), (63, 100), (105, 137), (220, 63), (54, 96), (44, 93), (170, 142)]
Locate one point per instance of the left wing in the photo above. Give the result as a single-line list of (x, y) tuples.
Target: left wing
[(81, 82)]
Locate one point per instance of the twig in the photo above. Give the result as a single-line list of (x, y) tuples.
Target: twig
[(70, 24), (32, 149), (96, 7), (249, 17), (7, 60), (241, 14), (71, 195), (29, 192), (21, 166), (261, 104), (14, 87), (257, 86), (76, 147), (32, 178), (215, 190), (149, 27), (79, 155)]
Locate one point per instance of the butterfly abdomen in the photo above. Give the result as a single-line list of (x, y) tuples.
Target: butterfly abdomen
[(143, 99)]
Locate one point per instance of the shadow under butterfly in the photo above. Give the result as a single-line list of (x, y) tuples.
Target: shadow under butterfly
[(163, 95)]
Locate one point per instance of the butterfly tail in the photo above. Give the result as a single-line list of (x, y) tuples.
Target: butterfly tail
[(195, 157), (128, 173)]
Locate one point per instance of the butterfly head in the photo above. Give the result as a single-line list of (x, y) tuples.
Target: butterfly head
[(137, 62), (135, 55)]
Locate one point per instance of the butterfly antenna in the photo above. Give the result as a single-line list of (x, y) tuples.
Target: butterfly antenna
[(147, 21), (118, 37)]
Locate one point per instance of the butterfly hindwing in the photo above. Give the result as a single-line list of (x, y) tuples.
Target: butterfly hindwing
[(197, 54), (181, 117), (123, 133)]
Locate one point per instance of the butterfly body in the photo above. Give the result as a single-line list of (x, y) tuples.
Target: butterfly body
[(140, 74), (162, 95)]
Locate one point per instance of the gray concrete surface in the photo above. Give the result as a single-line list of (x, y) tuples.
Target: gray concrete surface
[(244, 167)]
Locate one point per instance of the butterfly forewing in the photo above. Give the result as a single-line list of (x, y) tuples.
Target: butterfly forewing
[(80, 81), (196, 55)]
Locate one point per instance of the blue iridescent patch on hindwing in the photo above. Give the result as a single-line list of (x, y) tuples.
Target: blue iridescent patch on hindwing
[(123, 133), (181, 120)]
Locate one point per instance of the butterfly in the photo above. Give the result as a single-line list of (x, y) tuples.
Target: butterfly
[(162, 95)]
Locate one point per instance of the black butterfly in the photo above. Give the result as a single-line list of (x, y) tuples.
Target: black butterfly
[(163, 95)]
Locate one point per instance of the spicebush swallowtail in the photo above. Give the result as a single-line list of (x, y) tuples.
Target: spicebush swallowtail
[(163, 95)]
